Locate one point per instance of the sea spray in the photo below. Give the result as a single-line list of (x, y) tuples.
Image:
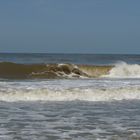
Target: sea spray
[(10, 70), (124, 70)]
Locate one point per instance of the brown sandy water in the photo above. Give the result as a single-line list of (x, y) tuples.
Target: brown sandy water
[(69, 97), (13, 70)]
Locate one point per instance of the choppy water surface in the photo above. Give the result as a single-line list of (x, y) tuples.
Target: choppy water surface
[(94, 97), (70, 120), (85, 109)]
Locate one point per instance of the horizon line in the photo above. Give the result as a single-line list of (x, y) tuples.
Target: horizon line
[(69, 53)]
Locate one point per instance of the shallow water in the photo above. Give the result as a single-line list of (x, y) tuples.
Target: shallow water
[(75, 120), (83, 108)]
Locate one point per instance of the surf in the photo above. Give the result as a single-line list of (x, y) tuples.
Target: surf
[(11, 70), (50, 71), (75, 94), (124, 70)]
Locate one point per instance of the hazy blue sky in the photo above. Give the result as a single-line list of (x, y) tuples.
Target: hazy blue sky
[(71, 26)]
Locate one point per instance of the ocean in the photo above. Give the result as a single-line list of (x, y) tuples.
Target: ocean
[(69, 96)]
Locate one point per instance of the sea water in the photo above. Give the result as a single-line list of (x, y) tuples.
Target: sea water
[(89, 108)]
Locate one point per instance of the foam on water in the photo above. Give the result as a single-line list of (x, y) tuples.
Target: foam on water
[(124, 70), (83, 97), (70, 90), (70, 120), (73, 94), (67, 71)]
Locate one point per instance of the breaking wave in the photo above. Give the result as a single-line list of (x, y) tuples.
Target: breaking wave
[(54, 71), (50, 71), (124, 70)]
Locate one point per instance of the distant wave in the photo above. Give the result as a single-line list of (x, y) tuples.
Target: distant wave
[(53, 71)]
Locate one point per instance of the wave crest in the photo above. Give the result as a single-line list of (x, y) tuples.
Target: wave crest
[(50, 71), (54, 71), (124, 70)]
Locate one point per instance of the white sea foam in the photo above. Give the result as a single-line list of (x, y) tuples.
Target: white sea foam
[(70, 90), (124, 70), (127, 93)]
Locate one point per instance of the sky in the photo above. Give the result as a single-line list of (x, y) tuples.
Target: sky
[(70, 26)]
